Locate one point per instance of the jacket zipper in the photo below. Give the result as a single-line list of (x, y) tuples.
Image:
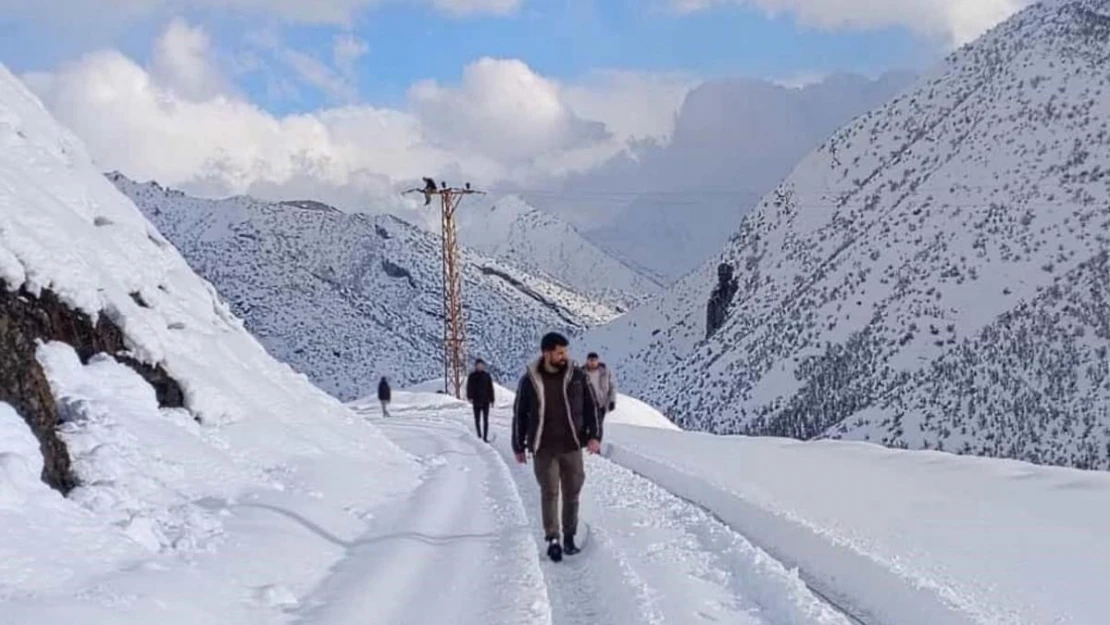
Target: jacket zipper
[(566, 400)]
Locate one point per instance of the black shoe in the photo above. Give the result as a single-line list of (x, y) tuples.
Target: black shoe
[(569, 547), (554, 549)]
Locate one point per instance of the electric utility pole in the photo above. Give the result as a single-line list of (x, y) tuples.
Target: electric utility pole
[(454, 323)]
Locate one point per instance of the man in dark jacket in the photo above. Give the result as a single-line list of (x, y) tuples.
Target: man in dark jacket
[(479, 390), (384, 395), (555, 415)]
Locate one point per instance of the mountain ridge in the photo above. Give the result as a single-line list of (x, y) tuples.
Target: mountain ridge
[(348, 297), (914, 228)]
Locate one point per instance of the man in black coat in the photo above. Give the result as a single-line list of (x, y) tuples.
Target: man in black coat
[(555, 415), (479, 390)]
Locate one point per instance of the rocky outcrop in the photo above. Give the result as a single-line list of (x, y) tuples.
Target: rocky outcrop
[(720, 299), (24, 321), (394, 270)]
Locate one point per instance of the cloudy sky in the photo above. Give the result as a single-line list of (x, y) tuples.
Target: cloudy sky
[(288, 97)]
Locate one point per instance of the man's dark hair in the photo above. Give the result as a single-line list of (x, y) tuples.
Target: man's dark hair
[(551, 340), (591, 356), (479, 362)]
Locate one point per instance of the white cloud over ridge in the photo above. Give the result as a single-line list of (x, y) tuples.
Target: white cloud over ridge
[(959, 21), (181, 122)]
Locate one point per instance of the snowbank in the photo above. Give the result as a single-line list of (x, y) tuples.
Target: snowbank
[(45, 537), (910, 537), (631, 411), (245, 485)]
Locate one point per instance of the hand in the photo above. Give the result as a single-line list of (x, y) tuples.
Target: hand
[(594, 446), (521, 458), (612, 406)]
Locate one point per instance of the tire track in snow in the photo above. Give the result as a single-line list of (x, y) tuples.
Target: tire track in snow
[(655, 558), (856, 586), (455, 552)]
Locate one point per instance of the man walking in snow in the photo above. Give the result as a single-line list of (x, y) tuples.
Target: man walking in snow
[(479, 390), (601, 378), (384, 395), (555, 415)]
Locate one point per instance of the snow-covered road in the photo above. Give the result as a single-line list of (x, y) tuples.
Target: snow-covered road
[(467, 548), (457, 551)]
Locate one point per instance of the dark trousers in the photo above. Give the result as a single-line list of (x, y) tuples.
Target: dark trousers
[(559, 473), (481, 420)]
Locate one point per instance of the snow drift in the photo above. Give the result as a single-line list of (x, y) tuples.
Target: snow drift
[(156, 485), (906, 537)]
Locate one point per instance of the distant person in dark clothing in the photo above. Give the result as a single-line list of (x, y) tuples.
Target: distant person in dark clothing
[(555, 415), (384, 395), (479, 390)]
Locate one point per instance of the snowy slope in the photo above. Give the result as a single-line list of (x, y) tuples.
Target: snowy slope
[(906, 537), (171, 504), (900, 249), (669, 207), (346, 298), (526, 237)]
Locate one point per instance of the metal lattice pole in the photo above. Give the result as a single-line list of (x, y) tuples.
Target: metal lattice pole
[(454, 322), (454, 340)]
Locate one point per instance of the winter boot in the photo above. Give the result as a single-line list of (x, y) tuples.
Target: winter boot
[(569, 547), (554, 549)]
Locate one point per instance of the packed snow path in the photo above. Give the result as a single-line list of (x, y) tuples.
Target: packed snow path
[(468, 547), (457, 551)]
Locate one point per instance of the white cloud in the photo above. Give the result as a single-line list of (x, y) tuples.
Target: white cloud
[(635, 105), (467, 7), (175, 122), (305, 11), (318, 74), (346, 50), (183, 63), (503, 110), (959, 21)]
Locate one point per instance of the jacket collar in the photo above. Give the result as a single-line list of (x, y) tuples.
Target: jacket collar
[(536, 367)]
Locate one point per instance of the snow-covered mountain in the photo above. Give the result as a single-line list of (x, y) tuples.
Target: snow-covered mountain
[(664, 208), (346, 298), (932, 276), (538, 241)]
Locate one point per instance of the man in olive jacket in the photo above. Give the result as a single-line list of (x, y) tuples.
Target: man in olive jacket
[(555, 415)]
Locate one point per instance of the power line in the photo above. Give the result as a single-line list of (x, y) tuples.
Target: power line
[(802, 197)]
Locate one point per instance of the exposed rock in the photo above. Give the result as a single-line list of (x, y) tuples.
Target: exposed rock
[(24, 321), (720, 299), (394, 270)]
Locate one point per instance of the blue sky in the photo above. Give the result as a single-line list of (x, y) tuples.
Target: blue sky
[(344, 100), (561, 39)]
